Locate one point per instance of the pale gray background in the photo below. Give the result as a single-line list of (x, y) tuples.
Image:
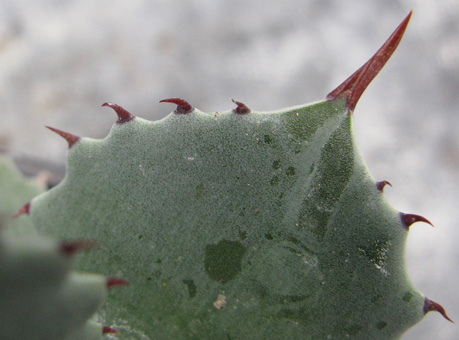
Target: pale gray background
[(60, 60)]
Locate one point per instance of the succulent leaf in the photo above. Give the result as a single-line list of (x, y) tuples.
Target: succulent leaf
[(42, 297), (241, 224)]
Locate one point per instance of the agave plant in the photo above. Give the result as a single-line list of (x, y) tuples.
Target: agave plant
[(239, 224)]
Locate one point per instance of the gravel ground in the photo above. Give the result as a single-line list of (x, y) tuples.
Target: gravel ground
[(59, 61)]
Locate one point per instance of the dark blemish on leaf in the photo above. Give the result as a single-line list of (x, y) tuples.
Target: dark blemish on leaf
[(192, 289), (223, 261), (276, 164), (407, 297), (290, 171), (381, 324), (275, 180), (268, 236), (200, 191), (353, 329), (376, 298)]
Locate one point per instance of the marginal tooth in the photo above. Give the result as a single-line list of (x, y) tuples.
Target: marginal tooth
[(69, 248), (241, 108), (409, 219), (380, 185), (352, 88), (24, 210), (183, 107), (106, 330), (71, 139), (123, 115), (432, 306), (114, 281)]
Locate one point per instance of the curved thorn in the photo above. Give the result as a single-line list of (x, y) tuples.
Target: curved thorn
[(123, 115), (70, 248), (114, 281), (353, 87), (380, 185), (183, 107), (71, 139), (106, 330), (432, 306), (241, 108), (409, 219), (24, 210)]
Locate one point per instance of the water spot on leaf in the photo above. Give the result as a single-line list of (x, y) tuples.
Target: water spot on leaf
[(223, 261)]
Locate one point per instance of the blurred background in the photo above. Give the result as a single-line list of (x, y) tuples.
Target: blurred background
[(60, 60)]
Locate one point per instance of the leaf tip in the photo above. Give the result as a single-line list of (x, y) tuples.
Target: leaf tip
[(354, 86)]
